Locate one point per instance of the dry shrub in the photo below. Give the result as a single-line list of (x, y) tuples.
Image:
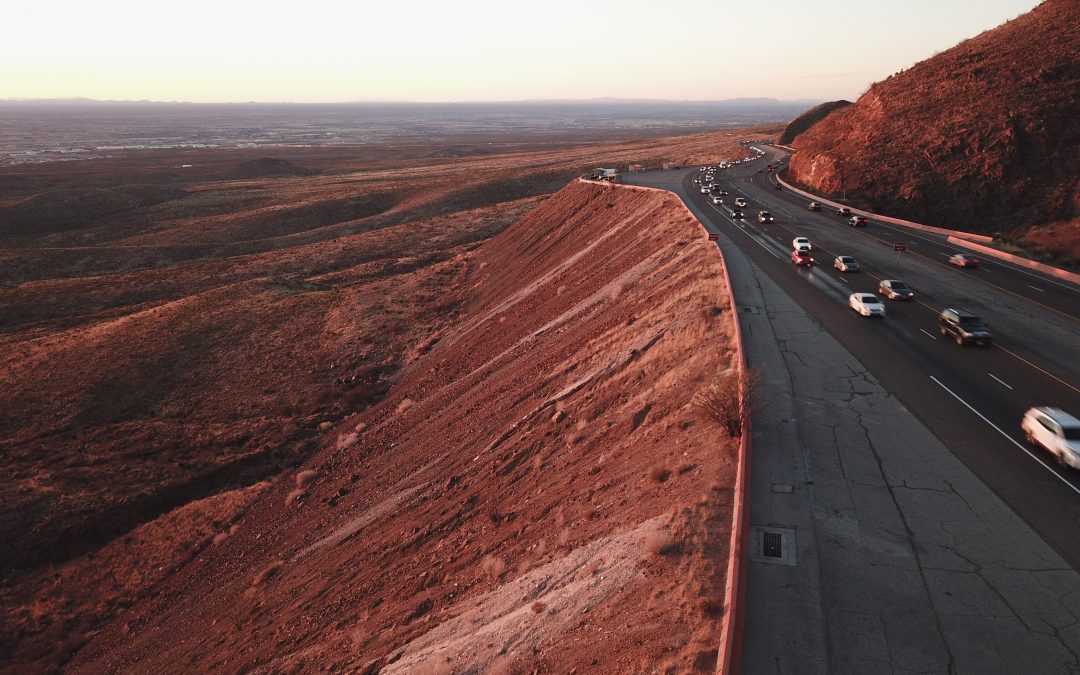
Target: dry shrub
[(271, 570), (294, 496), (659, 473), (660, 542), (723, 402), (493, 566), (537, 607), (304, 478), (405, 404)]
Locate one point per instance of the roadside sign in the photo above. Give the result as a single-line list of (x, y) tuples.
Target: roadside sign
[(712, 236), (899, 246)]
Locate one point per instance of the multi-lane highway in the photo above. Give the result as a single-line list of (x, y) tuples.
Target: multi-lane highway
[(971, 398)]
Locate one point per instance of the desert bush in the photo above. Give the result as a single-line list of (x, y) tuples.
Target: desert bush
[(270, 571), (305, 477), (493, 567), (728, 400), (660, 542)]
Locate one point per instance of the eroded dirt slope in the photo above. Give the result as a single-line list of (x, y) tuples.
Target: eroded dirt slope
[(536, 490), (981, 137)]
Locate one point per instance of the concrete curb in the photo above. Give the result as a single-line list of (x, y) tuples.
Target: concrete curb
[(1016, 260), (731, 635)]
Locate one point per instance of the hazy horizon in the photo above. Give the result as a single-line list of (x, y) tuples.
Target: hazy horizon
[(477, 51)]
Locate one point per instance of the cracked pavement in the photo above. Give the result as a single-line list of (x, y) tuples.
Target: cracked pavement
[(906, 562)]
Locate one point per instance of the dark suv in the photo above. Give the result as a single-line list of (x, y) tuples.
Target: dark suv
[(964, 327)]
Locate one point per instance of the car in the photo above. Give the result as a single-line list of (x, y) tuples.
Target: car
[(858, 221), (723, 193), (736, 213), (716, 199), (801, 244), (843, 211), (1055, 430), (963, 260), (739, 201), (814, 206), (894, 289), (964, 327), (764, 217), (714, 187), (866, 304), (704, 189), (802, 257), (846, 263)]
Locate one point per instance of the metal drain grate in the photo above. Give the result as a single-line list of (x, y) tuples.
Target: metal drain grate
[(772, 545)]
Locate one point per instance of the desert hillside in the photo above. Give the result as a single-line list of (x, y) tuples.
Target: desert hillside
[(809, 119), (981, 137), (537, 489), (180, 329)]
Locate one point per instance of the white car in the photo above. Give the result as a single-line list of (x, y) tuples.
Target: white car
[(739, 201), (764, 217), (716, 199), (866, 304), (1055, 430), (801, 244), (846, 263), (704, 189)]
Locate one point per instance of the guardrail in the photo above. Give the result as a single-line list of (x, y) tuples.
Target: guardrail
[(967, 240)]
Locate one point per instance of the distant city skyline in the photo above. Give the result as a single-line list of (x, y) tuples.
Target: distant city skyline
[(475, 51)]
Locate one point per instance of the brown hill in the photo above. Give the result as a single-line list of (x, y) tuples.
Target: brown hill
[(809, 119), (537, 489), (160, 360), (982, 137)]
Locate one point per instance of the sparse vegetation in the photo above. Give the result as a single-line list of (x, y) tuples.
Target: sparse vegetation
[(723, 400)]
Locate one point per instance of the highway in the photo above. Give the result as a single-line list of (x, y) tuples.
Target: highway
[(971, 398)]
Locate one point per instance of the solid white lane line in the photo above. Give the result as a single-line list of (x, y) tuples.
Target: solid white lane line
[(1007, 436), (1036, 288), (999, 380), (928, 334)]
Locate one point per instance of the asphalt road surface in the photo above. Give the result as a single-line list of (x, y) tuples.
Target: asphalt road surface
[(883, 441)]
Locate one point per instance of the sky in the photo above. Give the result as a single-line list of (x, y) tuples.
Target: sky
[(474, 50)]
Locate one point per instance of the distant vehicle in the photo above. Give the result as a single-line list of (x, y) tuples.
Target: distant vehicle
[(723, 193), (764, 217), (963, 260), (843, 211), (1055, 430), (846, 263), (736, 213), (716, 199), (964, 327), (858, 221), (714, 187), (802, 257), (894, 289), (801, 244), (866, 304), (739, 201), (704, 189), (814, 206)]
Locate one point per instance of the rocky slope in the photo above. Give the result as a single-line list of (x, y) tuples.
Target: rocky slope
[(537, 490), (172, 341), (809, 119), (981, 137)]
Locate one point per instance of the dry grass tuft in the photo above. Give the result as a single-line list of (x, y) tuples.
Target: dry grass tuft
[(304, 478), (659, 473), (294, 496), (405, 404), (537, 607), (493, 566), (662, 543), (269, 572)]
